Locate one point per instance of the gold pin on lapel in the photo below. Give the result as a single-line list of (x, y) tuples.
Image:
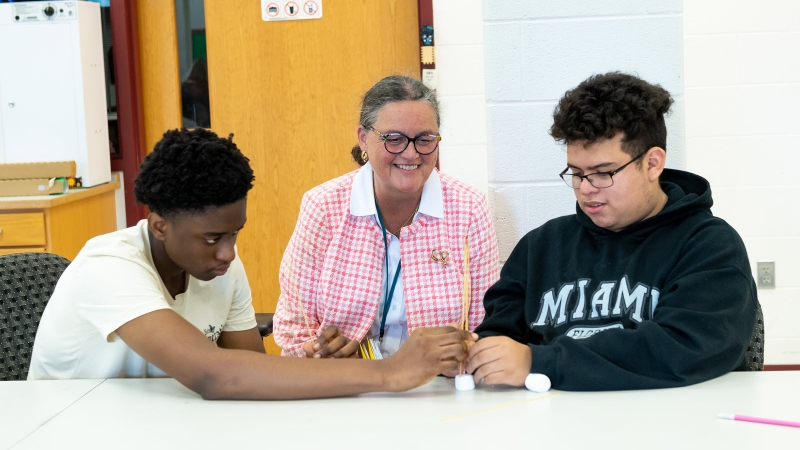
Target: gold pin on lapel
[(440, 256)]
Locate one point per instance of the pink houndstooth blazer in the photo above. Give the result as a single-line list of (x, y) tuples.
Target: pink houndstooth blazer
[(337, 262)]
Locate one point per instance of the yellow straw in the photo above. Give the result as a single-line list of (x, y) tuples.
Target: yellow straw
[(366, 350), (466, 290), (465, 299), (300, 302)]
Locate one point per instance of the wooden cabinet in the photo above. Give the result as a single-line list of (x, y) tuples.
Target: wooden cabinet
[(24, 230), (59, 224)]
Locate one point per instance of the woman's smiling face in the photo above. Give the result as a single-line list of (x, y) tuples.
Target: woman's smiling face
[(403, 174)]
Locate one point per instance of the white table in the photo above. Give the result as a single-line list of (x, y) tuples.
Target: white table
[(160, 413), (25, 406)]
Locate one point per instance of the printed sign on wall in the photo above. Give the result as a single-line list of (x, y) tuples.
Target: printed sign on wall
[(290, 9)]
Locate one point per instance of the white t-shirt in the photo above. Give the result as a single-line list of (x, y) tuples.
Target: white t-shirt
[(113, 280)]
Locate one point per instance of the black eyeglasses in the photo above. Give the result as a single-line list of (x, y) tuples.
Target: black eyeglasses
[(396, 143), (598, 179)]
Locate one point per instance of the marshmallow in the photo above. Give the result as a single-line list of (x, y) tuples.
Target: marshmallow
[(465, 382), (537, 382)]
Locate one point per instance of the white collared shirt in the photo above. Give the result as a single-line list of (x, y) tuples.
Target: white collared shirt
[(362, 203)]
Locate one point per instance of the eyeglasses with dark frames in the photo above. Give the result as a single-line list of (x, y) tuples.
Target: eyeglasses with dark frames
[(599, 180), (396, 143)]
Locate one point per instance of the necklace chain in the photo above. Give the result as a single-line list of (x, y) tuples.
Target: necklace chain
[(408, 220)]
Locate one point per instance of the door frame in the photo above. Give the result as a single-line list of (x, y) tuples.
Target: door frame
[(130, 115)]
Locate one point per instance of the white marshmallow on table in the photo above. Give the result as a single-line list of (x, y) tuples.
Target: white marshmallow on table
[(465, 382), (537, 382)]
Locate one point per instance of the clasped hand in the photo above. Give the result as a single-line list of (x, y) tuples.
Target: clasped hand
[(499, 360), (331, 343)]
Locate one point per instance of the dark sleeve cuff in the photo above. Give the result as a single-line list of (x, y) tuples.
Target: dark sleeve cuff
[(543, 360), (486, 333)]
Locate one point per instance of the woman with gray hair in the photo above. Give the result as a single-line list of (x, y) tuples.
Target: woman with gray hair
[(381, 251)]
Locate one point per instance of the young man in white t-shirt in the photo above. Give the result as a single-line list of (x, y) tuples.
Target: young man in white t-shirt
[(154, 299)]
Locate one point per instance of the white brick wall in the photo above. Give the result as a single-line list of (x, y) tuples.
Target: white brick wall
[(458, 36), (742, 65), (740, 109), (534, 52)]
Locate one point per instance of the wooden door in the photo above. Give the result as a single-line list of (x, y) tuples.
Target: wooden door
[(289, 92), (158, 58)]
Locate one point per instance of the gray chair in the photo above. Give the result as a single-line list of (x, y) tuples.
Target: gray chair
[(264, 323), (754, 356), (27, 281)]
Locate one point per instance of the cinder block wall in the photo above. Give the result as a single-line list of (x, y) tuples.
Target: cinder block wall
[(533, 52), (458, 36), (742, 92), (742, 62)]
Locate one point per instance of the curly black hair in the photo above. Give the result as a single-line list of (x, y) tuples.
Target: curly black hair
[(604, 105), (189, 171)]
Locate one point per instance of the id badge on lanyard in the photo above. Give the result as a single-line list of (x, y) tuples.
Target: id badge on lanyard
[(389, 291)]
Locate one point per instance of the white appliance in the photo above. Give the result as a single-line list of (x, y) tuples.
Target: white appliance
[(52, 87)]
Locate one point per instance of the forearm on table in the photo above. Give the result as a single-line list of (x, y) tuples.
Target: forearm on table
[(246, 375)]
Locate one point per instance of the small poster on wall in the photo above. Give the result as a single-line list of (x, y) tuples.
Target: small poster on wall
[(290, 9)]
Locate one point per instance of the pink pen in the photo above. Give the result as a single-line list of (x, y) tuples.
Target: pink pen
[(784, 423)]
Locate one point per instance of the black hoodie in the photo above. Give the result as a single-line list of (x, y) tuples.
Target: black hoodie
[(668, 301)]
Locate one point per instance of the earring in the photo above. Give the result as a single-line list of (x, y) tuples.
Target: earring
[(364, 156)]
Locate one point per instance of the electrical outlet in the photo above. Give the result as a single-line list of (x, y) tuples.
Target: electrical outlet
[(766, 274)]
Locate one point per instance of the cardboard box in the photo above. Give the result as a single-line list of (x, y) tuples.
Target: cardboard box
[(38, 170), (39, 186)]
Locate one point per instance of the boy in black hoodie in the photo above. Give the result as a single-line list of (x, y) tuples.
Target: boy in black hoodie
[(643, 287)]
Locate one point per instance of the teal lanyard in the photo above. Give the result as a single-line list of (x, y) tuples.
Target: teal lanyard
[(389, 292)]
